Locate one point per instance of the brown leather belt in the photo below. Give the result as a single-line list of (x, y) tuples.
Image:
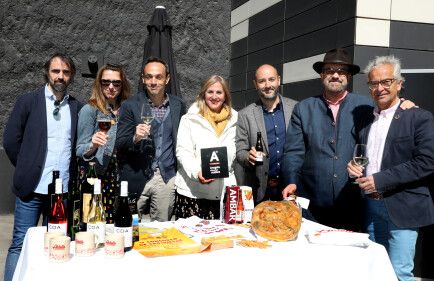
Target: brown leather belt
[(375, 195)]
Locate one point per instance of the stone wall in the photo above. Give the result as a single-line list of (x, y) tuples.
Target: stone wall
[(32, 30)]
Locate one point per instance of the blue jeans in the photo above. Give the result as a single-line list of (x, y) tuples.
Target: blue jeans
[(27, 213), (400, 243)]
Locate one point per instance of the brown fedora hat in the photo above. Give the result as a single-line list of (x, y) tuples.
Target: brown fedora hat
[(337, 56)]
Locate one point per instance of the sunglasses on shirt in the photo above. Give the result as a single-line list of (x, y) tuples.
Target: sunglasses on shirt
[(56, 107)]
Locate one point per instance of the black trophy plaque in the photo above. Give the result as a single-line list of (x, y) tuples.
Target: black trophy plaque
[(214, 162)]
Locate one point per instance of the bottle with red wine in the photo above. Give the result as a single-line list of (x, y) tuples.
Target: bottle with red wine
[(123, 218), (52, 187), (57, 218)]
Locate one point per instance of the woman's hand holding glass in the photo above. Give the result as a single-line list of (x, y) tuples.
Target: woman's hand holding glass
[(99, 138)]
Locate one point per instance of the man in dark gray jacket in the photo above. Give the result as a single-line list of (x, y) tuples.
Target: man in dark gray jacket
[(147, 151), (269, 115), (40, 137)]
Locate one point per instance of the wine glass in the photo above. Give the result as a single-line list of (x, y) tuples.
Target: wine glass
[(146, 115), (360, 156), (104, 124)]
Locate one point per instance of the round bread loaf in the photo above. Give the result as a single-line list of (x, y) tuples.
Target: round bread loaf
[(277, 220)]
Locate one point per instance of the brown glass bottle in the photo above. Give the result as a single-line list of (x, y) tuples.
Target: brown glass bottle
[(259, 150), (240, 208)]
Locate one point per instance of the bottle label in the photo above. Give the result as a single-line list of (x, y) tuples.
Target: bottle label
[(76, 213), (259, 156), (91, 181), (98, 229), (57, 227), (109, 228), (128, 235), (87, 198)]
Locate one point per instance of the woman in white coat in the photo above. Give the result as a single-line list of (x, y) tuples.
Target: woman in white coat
[(209, 122)]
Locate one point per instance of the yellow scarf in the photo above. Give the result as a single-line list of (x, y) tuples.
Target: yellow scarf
[(218, 120)]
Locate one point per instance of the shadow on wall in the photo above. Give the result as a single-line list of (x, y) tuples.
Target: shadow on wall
[(7, 200)]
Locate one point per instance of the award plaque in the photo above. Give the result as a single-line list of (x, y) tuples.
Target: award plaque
[(214, 162)]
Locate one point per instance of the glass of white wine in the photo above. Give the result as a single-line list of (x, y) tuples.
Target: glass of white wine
[(146, 115), (360, 156)]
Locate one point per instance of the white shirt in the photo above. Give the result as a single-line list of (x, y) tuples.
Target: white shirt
[(58, 143), (377, 138)]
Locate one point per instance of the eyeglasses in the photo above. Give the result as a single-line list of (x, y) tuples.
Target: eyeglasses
[(386, 83), (56, 107), (116, 83), (332, 71)]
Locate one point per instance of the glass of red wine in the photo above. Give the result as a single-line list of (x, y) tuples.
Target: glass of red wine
[(104, 124)]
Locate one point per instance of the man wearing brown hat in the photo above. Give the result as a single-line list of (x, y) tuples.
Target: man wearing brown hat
[(320, 142)]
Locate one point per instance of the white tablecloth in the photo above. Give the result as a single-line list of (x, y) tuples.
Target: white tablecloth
[(294, 260)]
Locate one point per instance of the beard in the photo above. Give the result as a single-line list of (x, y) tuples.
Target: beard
[(269, 96), (59, 86), (333, 88)]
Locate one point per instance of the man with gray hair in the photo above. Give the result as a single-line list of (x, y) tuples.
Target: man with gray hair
[(397, 179)]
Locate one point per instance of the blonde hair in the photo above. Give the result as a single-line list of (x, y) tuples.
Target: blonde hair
[(200, 99), (97, 99)]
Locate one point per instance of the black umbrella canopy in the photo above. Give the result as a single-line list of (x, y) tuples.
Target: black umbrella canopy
[(159, 44)]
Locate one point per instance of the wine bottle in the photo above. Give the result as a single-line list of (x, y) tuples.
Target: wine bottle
[(52, 188), (57, 219), (86, 194), (74, 204), (96, 222), (259, 150), (123, 218)]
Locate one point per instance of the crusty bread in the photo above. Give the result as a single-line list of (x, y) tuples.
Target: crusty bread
[(277, 220)]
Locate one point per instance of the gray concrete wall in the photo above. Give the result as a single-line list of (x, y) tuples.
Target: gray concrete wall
[(32, 30), (115, 29)]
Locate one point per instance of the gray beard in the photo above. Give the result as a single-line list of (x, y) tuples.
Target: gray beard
[(276, 93), (59, 87)]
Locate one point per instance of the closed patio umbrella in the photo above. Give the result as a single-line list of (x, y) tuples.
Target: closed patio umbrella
[(159, 44)]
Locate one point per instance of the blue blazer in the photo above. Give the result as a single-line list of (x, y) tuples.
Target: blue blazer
[(135, 159), (25, 140), (318, 149), (407, 167)]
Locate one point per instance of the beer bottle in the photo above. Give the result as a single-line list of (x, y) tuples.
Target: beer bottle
[(259, 150), (239, 217)]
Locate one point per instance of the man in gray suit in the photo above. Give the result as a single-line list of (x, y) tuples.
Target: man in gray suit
[(269, 115)]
